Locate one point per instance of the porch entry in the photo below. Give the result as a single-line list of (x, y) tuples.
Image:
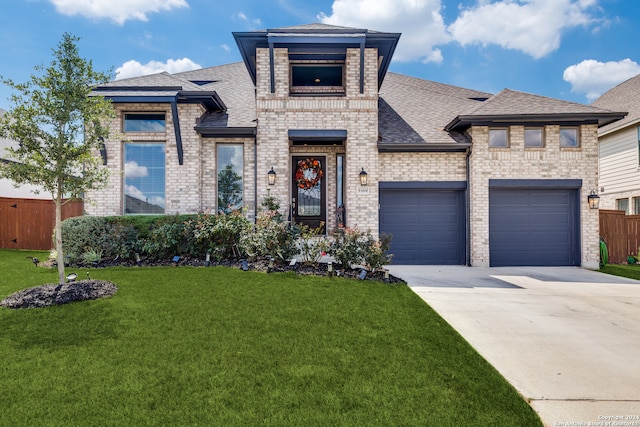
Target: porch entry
[(308, 191)]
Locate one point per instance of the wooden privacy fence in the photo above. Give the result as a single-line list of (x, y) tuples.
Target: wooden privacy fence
[(29, 223), (622, 234)]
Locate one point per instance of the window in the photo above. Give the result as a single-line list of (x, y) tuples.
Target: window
[(147, 122), (498, 138), (533, 137), (230, 166), (569, 138), (636, 205), (622, 205), (144, 180), (317, 78)]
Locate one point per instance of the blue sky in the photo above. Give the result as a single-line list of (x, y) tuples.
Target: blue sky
[(568, 49)]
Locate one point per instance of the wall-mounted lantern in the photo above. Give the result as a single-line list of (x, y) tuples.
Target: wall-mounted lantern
[(594, 200), (363, 177), (271, 176)]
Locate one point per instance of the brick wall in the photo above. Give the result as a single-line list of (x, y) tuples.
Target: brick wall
[(357, 113), (518, 162)]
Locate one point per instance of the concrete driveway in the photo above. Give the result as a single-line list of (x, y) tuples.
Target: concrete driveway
[(566, 338)]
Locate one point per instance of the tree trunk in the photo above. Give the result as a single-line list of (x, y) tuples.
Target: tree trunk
[(61, 275)]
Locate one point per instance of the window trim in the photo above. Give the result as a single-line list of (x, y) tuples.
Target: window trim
[(125, 116), (577, 131), (506, 140), (542, 136)]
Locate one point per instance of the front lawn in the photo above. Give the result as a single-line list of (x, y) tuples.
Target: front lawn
[(219, 346)]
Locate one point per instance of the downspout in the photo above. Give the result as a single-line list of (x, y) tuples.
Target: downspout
[(468, 209), (255, 174)]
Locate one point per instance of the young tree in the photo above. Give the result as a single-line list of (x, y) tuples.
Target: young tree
[(59, 128)]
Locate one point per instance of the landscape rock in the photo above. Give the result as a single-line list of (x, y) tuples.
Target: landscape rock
[(49, 294)]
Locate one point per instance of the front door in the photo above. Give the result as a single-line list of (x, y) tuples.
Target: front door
[(308, 191)]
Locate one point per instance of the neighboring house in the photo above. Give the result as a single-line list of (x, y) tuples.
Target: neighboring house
[(457, 176), (7, 189), (619, 142)]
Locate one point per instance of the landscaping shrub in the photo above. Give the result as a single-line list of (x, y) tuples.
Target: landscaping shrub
[(86, 233), (271, 238), (350, 246), (312, 244), (220, 235), (172, 236)]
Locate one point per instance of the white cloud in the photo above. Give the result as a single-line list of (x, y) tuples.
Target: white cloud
[(532, 26), (118, 11), (133, 170), (593, 78), (133, 191), (134, 68), (420, 22)]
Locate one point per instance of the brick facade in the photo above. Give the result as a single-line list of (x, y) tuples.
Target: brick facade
[(518, 162)]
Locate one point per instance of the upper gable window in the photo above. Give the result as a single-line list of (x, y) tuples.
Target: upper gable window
[(569, 138), (314, 78), (145, 122), (499, 138), (533, 137)]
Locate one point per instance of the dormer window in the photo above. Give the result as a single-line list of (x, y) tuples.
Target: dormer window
[(317, 78)]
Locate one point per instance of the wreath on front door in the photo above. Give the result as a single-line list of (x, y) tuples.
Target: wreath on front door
[(308, 174)]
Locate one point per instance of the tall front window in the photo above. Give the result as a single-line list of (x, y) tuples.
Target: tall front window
[(230, 166), (144, 178)]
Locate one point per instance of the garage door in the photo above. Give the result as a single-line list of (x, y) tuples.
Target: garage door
[(427, 225), (533, 227)]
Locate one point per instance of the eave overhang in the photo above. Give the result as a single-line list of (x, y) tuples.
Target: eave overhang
[(312, 41), (172, 95), (463, 122)]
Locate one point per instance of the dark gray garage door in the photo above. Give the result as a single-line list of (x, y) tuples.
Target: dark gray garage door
[(533, 227), (427, 225)]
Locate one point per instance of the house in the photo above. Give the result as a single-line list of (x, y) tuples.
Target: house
[(619, 150), (7, 189), (313, 117)]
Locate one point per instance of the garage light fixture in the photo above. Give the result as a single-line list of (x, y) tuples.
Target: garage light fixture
[(594, 200), (363, 177), (271, 176)]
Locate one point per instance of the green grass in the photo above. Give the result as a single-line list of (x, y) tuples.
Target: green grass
[(215, 346), (623, 270)]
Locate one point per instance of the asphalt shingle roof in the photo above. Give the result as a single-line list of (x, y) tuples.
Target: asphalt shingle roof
[(425, 107), (624, 97), (511, 102)]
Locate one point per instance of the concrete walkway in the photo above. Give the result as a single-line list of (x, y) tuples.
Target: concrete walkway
[(568, 339)]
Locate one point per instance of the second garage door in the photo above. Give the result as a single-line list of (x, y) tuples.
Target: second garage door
[(427, 225), (529, 226)]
